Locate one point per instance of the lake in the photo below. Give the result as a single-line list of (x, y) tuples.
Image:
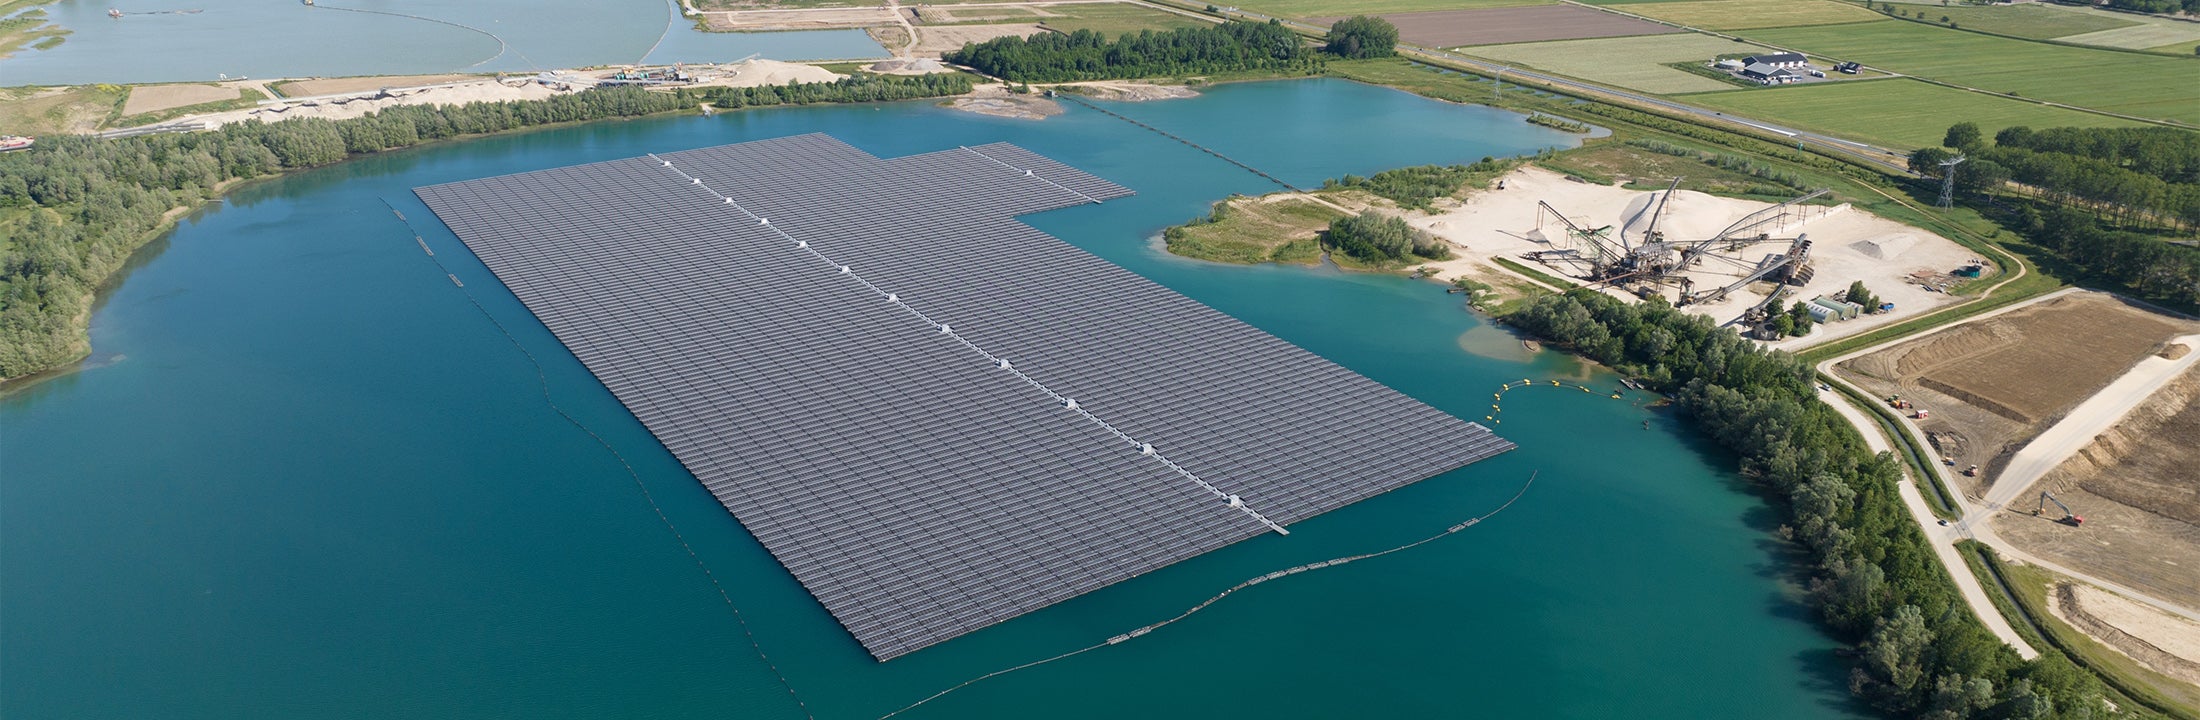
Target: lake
[(286, 38), (304, 477)]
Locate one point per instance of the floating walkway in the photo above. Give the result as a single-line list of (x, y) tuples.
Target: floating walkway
[(1187, 143)]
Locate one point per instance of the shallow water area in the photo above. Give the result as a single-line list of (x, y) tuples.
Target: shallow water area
[(317, 483), (241, 38)]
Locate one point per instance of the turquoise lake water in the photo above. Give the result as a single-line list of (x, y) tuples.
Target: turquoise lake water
[(285, 38), (302, 477)]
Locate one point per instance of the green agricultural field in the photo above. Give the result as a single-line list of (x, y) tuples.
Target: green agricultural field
[(1636, 63), (2141, 85), (1747, 14), (1333, 8), (2153, 34), (2038, 22), (1894, 113)]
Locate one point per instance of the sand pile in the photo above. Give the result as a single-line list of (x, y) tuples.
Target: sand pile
[(908, 66), (1688, 216), (758, 72), (1884, 248)]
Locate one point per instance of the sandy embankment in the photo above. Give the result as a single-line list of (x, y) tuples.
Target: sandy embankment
[(1130, 91), (1847, 245), (2165, 643), (996, 100), (374, 97)]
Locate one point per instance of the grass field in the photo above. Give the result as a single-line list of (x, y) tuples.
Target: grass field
[(1636, 63), (2038, 22), (43, 111), (1115, 19), (1898, 113), (1747, 14), (1247, 231), (2158, 87), (2156, 35), (1320, 8)]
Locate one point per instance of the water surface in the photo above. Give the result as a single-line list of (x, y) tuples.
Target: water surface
[(286, 38), (317, 483)]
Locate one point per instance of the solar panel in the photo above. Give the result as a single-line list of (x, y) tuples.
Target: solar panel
[(935, 417)]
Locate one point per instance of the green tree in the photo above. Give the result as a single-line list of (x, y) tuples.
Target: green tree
[(1925, 161), (1861, 296), (1362, 36), (1800, 315), (1963, 136)]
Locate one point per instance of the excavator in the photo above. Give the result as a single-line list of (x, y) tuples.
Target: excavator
[(2068, 518)]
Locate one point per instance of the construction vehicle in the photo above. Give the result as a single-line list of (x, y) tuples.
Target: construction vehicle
[(1972, 471), (2068, 518)]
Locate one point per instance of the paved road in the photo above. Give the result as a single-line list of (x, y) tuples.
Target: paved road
[(1944, 549), (1974, 522), (2085, 422)]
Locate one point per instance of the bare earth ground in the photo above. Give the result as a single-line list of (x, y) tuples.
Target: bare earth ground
[(826, 19), (997, 101), (933, 40), (341, 108), (2165, 643), (2138, 488), (43, 111), (1992, 385), (1493, 223), (155, 98), (332, 86), (1536, 23)]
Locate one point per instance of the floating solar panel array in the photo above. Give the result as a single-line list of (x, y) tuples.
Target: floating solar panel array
[(936, 417)]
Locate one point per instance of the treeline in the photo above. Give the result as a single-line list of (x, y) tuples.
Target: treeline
[(1380, 238), (1234, 46), (1919, 652), (854, 88), (2115, 171), (2098, 185), (2148, 266), (92, 202), (1415, 187)]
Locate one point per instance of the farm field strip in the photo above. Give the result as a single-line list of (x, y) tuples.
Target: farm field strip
[(1900, 113), (1343, 8), (2038, 22), (1636, 63), (2097, 79), (2140, 37), (1535, 23), (1750, 14)]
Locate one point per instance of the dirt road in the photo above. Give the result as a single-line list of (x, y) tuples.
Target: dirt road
[(2088, 420), (1943, 544)]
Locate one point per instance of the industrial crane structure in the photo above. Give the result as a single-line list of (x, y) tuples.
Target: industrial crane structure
[(1651, 261)]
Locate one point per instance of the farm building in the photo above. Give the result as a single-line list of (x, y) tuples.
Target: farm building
[(1728, 65), (1769, 75), (1778, 60)]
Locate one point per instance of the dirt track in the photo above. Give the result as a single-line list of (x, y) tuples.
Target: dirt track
[(2137, 490), (1992, 385), (1488, 26)]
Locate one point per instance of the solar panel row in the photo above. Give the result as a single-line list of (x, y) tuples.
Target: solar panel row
[(916, 488)]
